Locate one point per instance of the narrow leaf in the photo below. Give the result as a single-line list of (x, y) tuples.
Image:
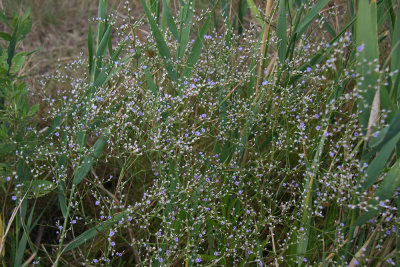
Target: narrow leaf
[(161, 44)]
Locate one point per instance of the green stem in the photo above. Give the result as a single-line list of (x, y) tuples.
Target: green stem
[(63, 234)]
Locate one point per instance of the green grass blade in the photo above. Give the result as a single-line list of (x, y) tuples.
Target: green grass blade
[(170, 20), (101, 49), (281, 31), (186, 14), (392, 130), (90, 51), (161, 44), (11, 47), (89, 160), (197, 48), (256, 13), (377, 165), (150, 83), (310, 16), (102, 14), (3, 18), (385, 191), (92, 232), (367, 46), (395, 56)]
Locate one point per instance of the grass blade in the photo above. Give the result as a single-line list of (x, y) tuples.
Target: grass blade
[(255, 12), (367, 46), (395, 56), (380, 161), (281, 31), (101, 49), (89, 160), (90, 51), (308, 18), (92, 232), (11, 47), (170, 20), (197, 48), (384, 192), (161, 44), (186, 14)]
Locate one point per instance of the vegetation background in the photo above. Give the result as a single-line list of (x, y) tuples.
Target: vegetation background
[(232, 133)]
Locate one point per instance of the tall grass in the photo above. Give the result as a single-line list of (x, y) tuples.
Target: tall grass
[(218, 135)]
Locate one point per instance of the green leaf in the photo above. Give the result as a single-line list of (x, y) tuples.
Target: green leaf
[(37, 188), (186, 14), (5, 36), (308, 18), (170, 20), (384, 192), (3, 18), (18, 62), (90, 51), (89, 160), (101, 49), (150, 83), (161, 44), (11, 48), (378, 164), (92, 232), (197, 48), (395, 55), (34, 109), (255, 12), (367, 46), (281, 31)]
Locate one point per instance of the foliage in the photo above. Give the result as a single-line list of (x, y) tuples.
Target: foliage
[(254, 138)]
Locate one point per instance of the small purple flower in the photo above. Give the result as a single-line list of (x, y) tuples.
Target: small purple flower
[(112, 244), (326, 134), (198, 260), (111, 233), (318, 128), (309, 69), (360, 48), (97, 203)]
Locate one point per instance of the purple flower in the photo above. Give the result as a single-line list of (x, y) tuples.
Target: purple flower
[(360, 48), (198, 260), (318, 128)]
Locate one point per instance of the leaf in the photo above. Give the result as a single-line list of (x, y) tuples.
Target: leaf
[(37, 188), (395, 55), (5, 36), (255, 12), (377, 165), (3, 18), (91, 233), (197, 48), (101, 49), (384, 192), (11, 48), (170, 20), (186, 14), (281, 31), (308, 18), (90, 51), (161, 44), (34, 109), (367, 48), (89, 160), (18, 62), (150, 83)]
